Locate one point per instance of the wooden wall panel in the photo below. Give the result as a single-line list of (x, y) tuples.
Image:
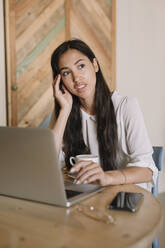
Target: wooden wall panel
[(39, 29), (91, 21), (34, 29), (11, 64)]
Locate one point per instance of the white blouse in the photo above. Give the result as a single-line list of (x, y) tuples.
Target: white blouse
[(134, 147)]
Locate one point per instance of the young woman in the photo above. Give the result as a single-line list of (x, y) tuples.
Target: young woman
[(89, 118)]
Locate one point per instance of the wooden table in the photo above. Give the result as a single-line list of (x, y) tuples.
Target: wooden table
[(27, 224)]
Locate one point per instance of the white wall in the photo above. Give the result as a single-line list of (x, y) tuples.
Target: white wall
[(2, 70), (141, 62)]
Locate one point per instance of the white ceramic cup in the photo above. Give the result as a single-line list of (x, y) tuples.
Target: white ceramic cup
[(84, 157)]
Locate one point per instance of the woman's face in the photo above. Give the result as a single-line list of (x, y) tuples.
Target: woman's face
[(78, 73)]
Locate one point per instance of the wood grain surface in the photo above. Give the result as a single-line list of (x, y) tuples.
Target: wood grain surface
[(29, 224), (34, 28)]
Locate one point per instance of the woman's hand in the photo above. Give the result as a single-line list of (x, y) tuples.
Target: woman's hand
[(88, 172), (64, 98)]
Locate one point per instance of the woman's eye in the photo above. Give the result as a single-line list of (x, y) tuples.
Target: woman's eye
[(81, 66), (65, 73)]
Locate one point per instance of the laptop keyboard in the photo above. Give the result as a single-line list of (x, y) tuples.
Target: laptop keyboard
[(71, 193)]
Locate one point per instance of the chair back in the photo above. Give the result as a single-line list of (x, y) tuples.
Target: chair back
[(158, 159), (45, 123), (158, 156)]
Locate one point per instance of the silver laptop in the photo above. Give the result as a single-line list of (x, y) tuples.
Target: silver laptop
[(29, 168)]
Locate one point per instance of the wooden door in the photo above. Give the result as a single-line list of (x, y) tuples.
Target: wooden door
[(34, 28)]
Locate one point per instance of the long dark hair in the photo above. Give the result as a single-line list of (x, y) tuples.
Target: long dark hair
[(104, 111)]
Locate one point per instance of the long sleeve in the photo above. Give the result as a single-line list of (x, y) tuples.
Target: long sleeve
[(137, 143)]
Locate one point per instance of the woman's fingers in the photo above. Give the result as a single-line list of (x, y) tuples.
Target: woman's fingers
[(88, 174), (56, 84), (93, 178), (62, 95), (77, 167), (87, 169)]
